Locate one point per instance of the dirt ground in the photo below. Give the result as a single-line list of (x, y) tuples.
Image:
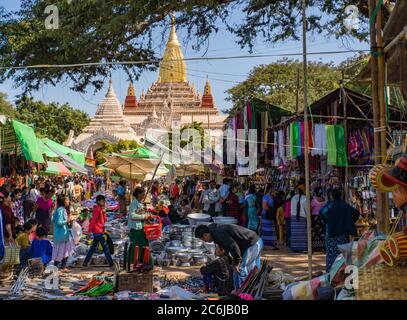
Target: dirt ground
[(295, 264)]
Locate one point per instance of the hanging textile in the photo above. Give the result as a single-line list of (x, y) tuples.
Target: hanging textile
[(299, 140), (293, 140), (265, 128), (245, 123), (302, 135), (310, 139), (281, 149), (331, 145), (249, 115), (287, 143), (275, 144), (254, 117), (342, 157)]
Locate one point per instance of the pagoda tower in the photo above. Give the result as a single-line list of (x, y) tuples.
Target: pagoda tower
[(207, 98), (107, 124), (172, 96), (131, 100)]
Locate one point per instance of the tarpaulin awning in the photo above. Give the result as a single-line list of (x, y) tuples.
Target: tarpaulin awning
[(56, 168), (29, 143), (79, 157), (70, 163), (47, 151)]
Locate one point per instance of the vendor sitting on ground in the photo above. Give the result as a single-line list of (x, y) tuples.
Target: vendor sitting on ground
[(242, 244), (162, 212), (218, 274), (184, 210)]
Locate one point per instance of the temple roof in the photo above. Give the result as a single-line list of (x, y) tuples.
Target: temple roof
[(172, 67), (109, 117)]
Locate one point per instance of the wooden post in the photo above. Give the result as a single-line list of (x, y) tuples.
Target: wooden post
[(306, 134), (376, 112), (345, 124), (297, 94), (382, 103)]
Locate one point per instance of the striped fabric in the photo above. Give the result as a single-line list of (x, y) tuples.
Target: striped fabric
[(268, 232), (299, 234)]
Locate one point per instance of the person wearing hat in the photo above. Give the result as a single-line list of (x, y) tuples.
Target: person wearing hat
[(299, 220)]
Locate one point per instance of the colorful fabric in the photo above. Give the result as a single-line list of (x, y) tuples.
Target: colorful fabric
[(342, 157), (41, 249), (268, 232), (250, 260), (302, 135), (298, 234), (331, 144)]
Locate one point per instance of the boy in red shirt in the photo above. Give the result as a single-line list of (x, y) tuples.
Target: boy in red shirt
[(97, 228)]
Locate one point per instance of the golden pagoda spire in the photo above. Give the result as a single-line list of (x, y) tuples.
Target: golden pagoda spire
[(172, 67), (130, 90)]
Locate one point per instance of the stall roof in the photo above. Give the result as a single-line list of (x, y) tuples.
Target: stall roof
[(29, 143), (397, 55), (79, 157)]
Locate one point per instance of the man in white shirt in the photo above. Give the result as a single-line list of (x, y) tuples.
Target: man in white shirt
[(211, 200), (224, 194)]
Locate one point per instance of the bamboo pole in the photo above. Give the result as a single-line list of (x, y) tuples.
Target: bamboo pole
[(306, 154), (382, 104), (376, 110)]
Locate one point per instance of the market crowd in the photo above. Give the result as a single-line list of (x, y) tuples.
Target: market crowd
[(31, 210)]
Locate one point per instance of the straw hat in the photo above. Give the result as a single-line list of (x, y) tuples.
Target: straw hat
[(376, 177), (398, 174)]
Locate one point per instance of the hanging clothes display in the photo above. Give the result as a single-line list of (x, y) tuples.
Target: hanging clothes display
[(276, 159), (265, 119), (341, 158), (287, 143), (331, 145), (281, 149), (300, 140), (302, 135)]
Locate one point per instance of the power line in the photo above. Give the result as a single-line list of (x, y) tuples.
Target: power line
[(141, 62)]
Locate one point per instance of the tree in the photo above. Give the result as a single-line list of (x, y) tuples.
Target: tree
[(6, 108), (276, 83), (122, 30), (109, 148), (51, 120)]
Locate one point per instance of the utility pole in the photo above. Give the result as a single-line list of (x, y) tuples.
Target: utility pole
[(306, 138), (382, 103), (297, 93)]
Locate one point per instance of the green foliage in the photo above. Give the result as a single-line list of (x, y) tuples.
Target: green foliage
[(276, 83), (122, 30), (195, 125), (109, 148), (6, 108), (51, 120)]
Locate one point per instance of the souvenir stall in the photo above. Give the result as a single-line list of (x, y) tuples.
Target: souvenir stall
[(255, 114), (341, 144)]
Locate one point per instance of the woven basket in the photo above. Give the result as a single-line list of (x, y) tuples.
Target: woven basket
[(381, 282)]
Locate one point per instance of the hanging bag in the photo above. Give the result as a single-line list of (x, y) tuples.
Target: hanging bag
[(153, 228)]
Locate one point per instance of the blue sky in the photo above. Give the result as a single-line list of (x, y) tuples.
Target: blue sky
[(221, 44)]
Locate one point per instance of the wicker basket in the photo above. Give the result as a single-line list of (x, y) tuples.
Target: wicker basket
[(381, 282)]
